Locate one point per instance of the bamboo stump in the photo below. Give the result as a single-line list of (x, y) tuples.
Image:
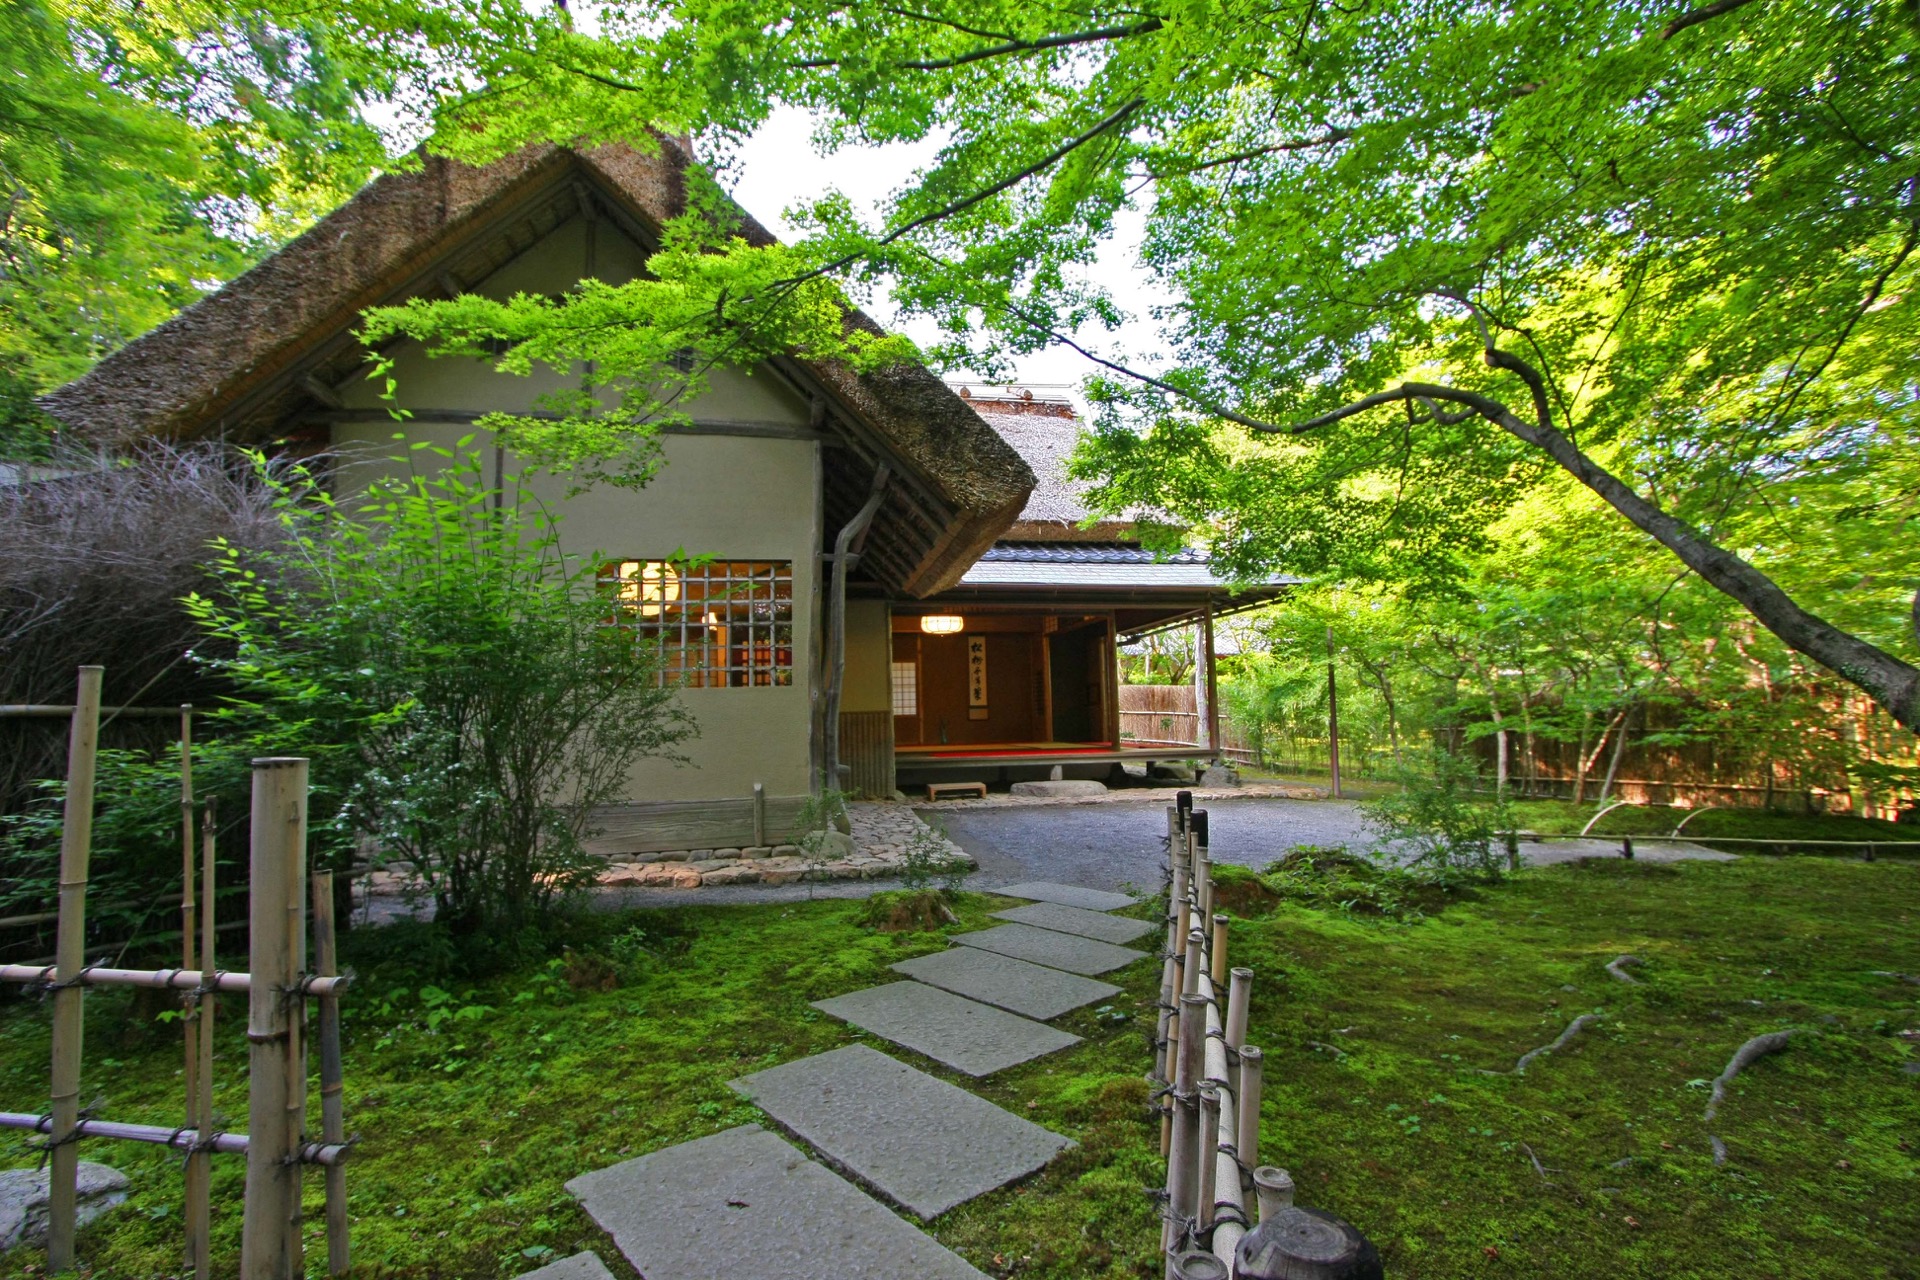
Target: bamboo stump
[(1306, 1244)]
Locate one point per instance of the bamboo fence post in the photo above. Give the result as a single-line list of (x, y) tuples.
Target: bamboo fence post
[(1194, 966), (1181, 1180), (1203, 900), (1247, 1144), (1234, 1026), (196, 1170), (199, 1161), (1208, 1140), (269, 1247), (332, 1120), (1274, 1188), (76, 844), (1219, 973), (1199, 1266)]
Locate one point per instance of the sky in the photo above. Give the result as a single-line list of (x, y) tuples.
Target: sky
[(779, 166)]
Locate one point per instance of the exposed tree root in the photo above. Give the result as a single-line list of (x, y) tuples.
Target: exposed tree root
[(1617, 967), (1332, 1049), (1743, 1057), (1719, 1151), (1574, 1028), (1537, 1166)]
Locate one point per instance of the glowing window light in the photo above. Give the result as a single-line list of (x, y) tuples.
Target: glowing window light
[(653, 583), (942, 624)]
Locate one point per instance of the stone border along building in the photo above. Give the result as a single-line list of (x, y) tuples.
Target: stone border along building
[(982, 613)]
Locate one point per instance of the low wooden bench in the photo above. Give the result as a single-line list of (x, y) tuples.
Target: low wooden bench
[(978, 790)]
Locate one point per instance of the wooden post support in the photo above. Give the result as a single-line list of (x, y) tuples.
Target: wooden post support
[(1274, 1189), (199, 1207), (1513, 850), (1194, 1265), (1247, 1146), (197, 1170), (759, 815), (1182, 1176), (76, 846), (1209, 1147), (269, 1244), (333, 1127), (1333, 720), (1626, 847), (1306, 1244)]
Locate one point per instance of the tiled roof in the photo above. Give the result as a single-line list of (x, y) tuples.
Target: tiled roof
[(1087, 553)]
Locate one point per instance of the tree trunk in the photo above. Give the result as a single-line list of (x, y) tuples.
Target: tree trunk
[(1619, 749), (1893, 684)]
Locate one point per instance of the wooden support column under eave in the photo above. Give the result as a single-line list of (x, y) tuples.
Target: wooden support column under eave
[(1213, 687), (1112, 682)]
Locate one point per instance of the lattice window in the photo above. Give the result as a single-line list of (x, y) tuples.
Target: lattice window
[(719, 624), (906, 688)]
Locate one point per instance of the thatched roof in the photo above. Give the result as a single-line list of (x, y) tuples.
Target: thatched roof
[(239, 362), (1044, 429)]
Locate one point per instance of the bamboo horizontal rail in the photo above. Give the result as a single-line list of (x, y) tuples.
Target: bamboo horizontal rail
[(321, 1153), (1698, 839), (30, 710), (308, 984), (21, 922)]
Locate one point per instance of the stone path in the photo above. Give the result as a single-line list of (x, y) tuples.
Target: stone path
[(1087, 924), (750, 1205), (924, 1144), (952, 1030)]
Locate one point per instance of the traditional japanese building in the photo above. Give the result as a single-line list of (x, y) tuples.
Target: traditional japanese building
[(892, 572)]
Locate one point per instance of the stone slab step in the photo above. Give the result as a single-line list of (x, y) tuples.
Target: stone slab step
[(1030, 990), (585, 1265), (746, 1205), (1068, 895), (1087, 924), (922, 1143), (955, 1032), (1054, 950)]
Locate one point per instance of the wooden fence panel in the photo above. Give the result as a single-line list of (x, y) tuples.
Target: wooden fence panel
[(866, 744)]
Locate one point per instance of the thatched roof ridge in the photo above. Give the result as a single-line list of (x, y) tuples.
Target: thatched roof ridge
[(205, 371)]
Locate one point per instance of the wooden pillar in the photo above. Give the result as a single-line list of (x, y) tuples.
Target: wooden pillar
[(333, 1125), (196, 1170), (1213, 686), (1333, 719), (1110, 683), (198, 1210), (270, 1242), (76, 846)]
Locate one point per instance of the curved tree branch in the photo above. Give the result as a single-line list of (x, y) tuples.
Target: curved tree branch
[(1704, 13), (1065, 40)]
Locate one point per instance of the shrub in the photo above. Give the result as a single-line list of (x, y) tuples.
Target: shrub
[(1338, 879), (450, 674), (1437, 823)]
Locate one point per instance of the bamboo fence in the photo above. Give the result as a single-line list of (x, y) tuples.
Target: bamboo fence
[(1209, 1080), (277, 987)]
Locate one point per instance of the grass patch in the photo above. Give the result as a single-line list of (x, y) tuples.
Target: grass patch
[(476, 1101)]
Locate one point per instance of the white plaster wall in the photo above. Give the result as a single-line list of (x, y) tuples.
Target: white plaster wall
[(730, 496)]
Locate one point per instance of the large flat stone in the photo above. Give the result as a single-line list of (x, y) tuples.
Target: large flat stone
[(585, 1265), (1087, 924), (1068, 895), (956, 1032), (988, 976), (1054, 950), (1059, 787), (745, 1205), (923, 1143)]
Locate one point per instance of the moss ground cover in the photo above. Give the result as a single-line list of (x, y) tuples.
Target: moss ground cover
[(477, 1101), (1564, 817)]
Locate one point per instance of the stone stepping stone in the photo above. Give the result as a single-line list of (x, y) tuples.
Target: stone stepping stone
[(923, 1143), (955, 1032), (1068, 895), (991, 978), (585, 1265), (746, 1205), (1087, 924), (1054, 950)]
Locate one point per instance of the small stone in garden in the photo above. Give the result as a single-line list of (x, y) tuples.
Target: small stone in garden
[(758, 851), (585, 1265), (23, 1201), (672, 855), (735, 874), (786, 851), (724, 854)]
